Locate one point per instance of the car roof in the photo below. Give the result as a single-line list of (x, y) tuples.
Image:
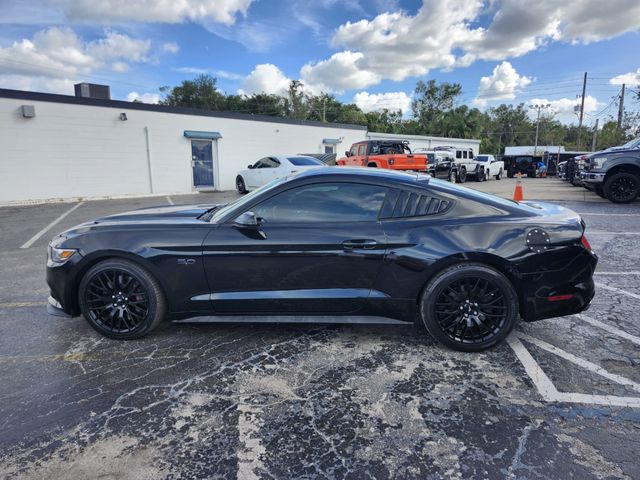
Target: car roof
[(365, 173)]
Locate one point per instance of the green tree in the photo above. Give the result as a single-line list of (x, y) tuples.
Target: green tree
[(296, 101), (201, 92), (431, 101)]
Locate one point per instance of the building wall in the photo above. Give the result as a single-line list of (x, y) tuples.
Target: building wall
[(429, 142), (69, 150)]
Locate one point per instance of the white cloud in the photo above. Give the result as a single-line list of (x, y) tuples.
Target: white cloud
[(343, 71), (564, 108), (392, 101), (109, 11), (503, 84), (631, 79), (120, 67), (265, 78), (171, 47), (143, 97), (446, 34)]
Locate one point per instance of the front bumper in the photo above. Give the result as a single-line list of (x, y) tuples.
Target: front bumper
[(592, 177)]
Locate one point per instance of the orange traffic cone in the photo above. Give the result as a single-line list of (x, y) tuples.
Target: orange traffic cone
[(517, 193)]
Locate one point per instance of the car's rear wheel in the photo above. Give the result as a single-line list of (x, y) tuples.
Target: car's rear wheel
[(469, 307), (622, 187), (240, 185), (121, 300)]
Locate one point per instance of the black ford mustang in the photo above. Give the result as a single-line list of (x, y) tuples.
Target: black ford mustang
[(331, 241)]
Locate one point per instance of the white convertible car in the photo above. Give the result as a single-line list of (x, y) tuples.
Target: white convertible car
[(269, 168)]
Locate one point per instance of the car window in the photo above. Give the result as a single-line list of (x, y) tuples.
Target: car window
[(270, 162), (470, 154), (354, 150), (262, 163), (304, 161), (458, 154), (361, 149), (323, 202), (482, 158)]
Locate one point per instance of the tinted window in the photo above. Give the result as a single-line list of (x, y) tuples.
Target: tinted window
[(302, 161), (324, 202), (354, 150), (361, 149), (431, 157), (482, 158), (270, 163), (458, 154)]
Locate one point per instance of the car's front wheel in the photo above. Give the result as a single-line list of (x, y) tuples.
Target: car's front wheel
[(461, 176), (469, 307), (121, 300), (240, 185), (480, 175), (452, 176), (622, 187), (499, 175)]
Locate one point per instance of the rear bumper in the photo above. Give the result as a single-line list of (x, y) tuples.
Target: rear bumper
[(562, 292)]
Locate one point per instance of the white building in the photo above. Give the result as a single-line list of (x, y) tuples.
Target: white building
[(59, 146)]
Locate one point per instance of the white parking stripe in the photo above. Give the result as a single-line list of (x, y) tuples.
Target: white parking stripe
[(169, 200), (617, 290), (581, 362), (609, 328), (617, 273), (35, 238)]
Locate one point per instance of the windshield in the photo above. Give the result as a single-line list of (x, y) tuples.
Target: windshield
[(482, 158), (244, 200), (304, 161), (635, 143)]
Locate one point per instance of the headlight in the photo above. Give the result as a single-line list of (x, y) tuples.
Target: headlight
[(60, 255), (597, 162)]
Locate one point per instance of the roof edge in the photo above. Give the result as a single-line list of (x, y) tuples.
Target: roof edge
[(96, 102)]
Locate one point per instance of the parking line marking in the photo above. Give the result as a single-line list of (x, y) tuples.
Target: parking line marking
[(600, 232), (609, 328), (610, 214), (617, 290), (33, 239), (550, 393), (581, 362), (169, 200), (618, 273)]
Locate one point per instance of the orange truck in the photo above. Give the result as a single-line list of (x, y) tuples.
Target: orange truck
[(391, 154)]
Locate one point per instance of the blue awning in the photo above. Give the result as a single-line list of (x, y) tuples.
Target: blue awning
[(331, 141), (203, 135)]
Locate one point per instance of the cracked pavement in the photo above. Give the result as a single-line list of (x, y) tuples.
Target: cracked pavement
[(251, 400)]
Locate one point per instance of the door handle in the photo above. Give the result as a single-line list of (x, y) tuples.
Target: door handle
[(359, 243)]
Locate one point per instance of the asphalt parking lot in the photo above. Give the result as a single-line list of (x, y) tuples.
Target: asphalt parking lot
[(560, 399)]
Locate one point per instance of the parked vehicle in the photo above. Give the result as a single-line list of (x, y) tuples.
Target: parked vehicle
[(268, 169), (489, 167), (573, 168), (442, 165), (337, 241), (553, 159), (614, 173), (390, 154), (524, 164)]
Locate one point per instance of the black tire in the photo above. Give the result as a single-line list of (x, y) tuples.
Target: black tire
[(599, 191), (622, 187), (499, 175), (461, 175), (240, 185), (121, 300), (452, 177), (480, 175), (372, 165), (454, 320)]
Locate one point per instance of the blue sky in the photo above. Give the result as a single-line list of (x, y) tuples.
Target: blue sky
[(368, 52)]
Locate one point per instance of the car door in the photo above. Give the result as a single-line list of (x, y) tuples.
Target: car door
[(318, 249), (254, 175), (271, 170)]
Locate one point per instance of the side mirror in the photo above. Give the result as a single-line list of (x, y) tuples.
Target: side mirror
[(347, 153), (250, 167), (249, 221)]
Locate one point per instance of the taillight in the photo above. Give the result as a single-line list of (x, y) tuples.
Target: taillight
[(585, 243)]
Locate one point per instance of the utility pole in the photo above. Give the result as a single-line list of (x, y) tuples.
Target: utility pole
[(595, 137), (584, 91), (621, 107), (324, 108), (538, 108)]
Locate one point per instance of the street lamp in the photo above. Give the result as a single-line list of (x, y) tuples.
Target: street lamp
[(538, 108)]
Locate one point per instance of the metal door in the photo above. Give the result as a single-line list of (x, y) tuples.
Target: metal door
[(202, 163)]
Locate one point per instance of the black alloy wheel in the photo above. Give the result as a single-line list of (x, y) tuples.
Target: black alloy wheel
[(452, 176), (469, 307), (461, 176), (121, 300), (480, 175), (622, 187), (240, 186)]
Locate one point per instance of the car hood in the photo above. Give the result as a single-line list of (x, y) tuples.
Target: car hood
[(163, 213)]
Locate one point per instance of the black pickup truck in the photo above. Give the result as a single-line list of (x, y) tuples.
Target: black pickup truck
[(614, 173)]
